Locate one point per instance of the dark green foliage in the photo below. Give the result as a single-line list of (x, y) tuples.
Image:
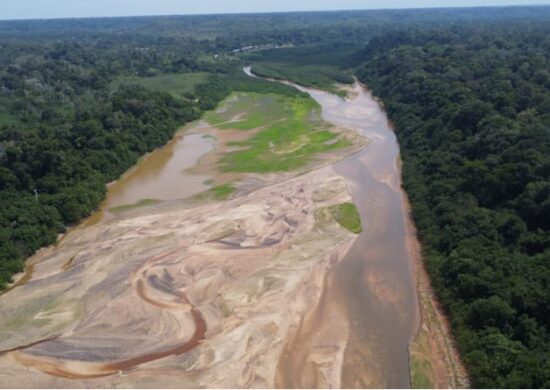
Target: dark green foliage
[(316, 76), (318, 66), (471, 110), (219, 86)]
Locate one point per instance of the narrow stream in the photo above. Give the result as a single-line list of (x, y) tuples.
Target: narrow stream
[(374, 282)]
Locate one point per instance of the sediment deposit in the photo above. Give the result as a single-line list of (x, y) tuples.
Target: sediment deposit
[(203, 296)]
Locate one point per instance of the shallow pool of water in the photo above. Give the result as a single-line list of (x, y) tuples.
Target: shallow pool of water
[(160, 175)]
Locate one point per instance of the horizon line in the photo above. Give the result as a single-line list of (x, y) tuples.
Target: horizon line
[(271, 12)]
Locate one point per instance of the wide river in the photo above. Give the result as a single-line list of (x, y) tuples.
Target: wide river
[(373, 284), (375, 280)]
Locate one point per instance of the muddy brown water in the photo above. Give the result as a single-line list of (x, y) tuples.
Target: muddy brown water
[(374, 282), (161, 175)]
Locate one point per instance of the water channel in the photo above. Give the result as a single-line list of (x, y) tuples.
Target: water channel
[(374, 283)]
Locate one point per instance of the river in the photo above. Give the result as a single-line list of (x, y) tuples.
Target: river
[(160, 175), (374, 283)]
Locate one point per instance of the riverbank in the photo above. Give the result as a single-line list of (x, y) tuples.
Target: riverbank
[(434, 358)]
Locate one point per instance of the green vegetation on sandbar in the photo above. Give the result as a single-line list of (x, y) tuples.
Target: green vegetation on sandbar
[(347, 215), (222, 192), (247, 111), (291, 132), (127, 207), (177, 84), (420, 370)]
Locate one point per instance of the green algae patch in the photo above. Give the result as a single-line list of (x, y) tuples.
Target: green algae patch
[(289, 132), (347, 215)]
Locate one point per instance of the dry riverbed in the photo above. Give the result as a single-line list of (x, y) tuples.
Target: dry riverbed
[(251, 283), (194, 297), (192, 293)]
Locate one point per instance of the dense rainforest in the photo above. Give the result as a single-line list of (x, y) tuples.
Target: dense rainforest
[(467, 89), (471, 108)]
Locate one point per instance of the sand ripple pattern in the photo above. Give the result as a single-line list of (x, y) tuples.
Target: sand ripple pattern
[(203, 296)]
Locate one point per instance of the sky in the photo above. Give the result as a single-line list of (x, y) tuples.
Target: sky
[(38, 9)]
